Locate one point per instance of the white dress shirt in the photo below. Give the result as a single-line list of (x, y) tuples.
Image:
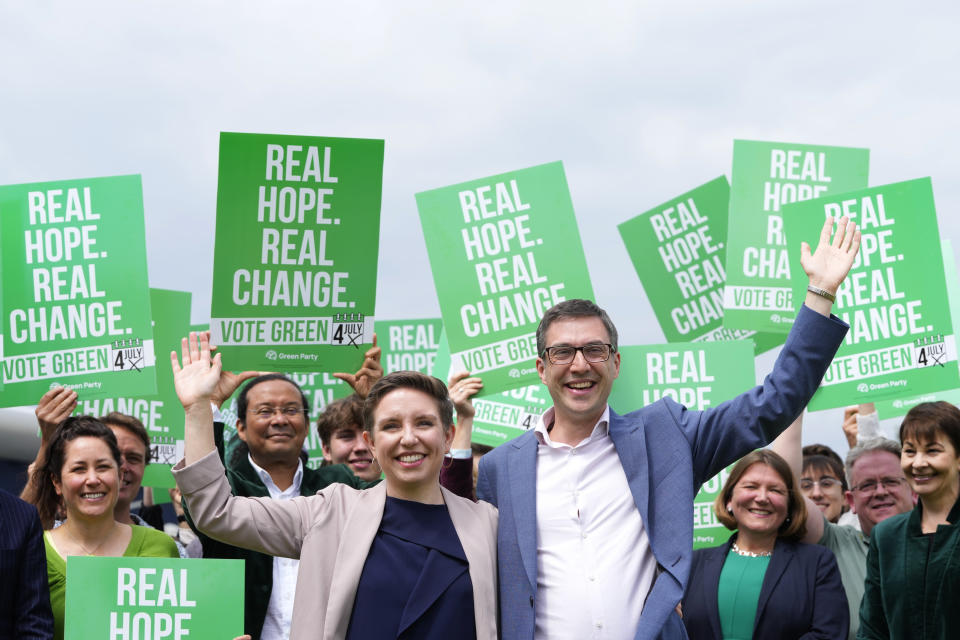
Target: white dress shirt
[(276, 626), (594, 563)]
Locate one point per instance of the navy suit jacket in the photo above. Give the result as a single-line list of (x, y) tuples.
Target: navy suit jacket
[(24, 593), (802, 596), (667, 452)]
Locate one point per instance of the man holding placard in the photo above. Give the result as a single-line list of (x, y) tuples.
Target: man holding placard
[(595, 530)]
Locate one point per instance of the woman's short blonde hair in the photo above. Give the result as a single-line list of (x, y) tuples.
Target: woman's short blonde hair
[(795, 525)]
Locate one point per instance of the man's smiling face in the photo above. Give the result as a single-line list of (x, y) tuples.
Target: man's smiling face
[(348, 447), (579, 389), (275, 425)]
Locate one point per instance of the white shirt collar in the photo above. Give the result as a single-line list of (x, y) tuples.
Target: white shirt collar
[(271, 485), (545, 423)]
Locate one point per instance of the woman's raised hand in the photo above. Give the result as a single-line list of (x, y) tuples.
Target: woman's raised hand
[(197, 378)]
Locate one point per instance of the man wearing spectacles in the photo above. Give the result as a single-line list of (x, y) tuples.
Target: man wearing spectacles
[(595, 532), (877, 491)]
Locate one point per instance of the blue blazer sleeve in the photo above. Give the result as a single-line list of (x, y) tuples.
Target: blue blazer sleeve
[(753, 419)]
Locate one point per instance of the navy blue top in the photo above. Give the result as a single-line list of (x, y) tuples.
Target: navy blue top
[(415, 582)]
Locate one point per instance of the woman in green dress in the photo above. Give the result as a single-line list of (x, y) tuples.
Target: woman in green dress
[(763, 583), (913, 567), (80, 476)]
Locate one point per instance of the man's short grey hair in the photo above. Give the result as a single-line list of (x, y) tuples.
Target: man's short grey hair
[(869, 446)]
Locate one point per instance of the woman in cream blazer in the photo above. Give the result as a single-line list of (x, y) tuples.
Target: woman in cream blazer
[(404, 559)]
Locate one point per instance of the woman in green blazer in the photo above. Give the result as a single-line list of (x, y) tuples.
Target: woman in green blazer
[(913, 567)]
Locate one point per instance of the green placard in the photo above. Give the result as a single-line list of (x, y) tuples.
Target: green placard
[(153, 598), (707, 530), (502, 416), (766, 176), (503, 250), (75, 294), (295, 258), (320, 388), (901, 340), (409, 345), (698, 375), (685, 285), (161, 413), (899, 406)]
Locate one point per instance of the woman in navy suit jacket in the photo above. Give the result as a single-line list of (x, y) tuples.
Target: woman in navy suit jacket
[(763, 583)]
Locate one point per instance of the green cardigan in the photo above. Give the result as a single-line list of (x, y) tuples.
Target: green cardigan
[(258, 573), (912, 589)]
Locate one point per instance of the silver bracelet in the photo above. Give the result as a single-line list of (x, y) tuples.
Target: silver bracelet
[(823, 293)]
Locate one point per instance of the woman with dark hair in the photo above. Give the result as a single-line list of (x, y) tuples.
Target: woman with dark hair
[(913, 566), (404, 559), (824, 481), (81, 476), (763, 583)]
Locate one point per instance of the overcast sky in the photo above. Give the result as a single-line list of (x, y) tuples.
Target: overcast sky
[(640, 101)]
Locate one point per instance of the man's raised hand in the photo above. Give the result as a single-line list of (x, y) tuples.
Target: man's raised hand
[(831, 262)]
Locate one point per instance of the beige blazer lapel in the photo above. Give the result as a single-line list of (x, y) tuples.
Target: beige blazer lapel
[(478, 540), (355, 539)]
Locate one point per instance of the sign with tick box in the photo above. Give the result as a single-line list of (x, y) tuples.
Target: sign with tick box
[(899, 406), (901, 340), (76, 301), (502, 250), (296, 249), (161, 412)]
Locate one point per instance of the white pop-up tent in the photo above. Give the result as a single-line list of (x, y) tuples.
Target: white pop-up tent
[(19, 434)]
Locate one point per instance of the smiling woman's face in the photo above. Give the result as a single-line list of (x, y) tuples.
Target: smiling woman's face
[(409, 442), (759, 500), (932, 467), (89, 479)]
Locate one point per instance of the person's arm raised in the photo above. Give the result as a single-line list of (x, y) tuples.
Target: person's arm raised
[(789, 445), (274, 527), (54, 407), (195, 382), (830, 263), (462, 389), (370, 371)]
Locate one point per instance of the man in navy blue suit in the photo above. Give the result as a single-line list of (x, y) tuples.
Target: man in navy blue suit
[(595, 533), (24, 595)]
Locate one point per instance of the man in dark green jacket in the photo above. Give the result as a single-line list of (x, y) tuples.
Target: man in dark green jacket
[(258, 572)]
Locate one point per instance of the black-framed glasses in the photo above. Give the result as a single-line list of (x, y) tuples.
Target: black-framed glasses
[(890, 484), (593, 352)]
